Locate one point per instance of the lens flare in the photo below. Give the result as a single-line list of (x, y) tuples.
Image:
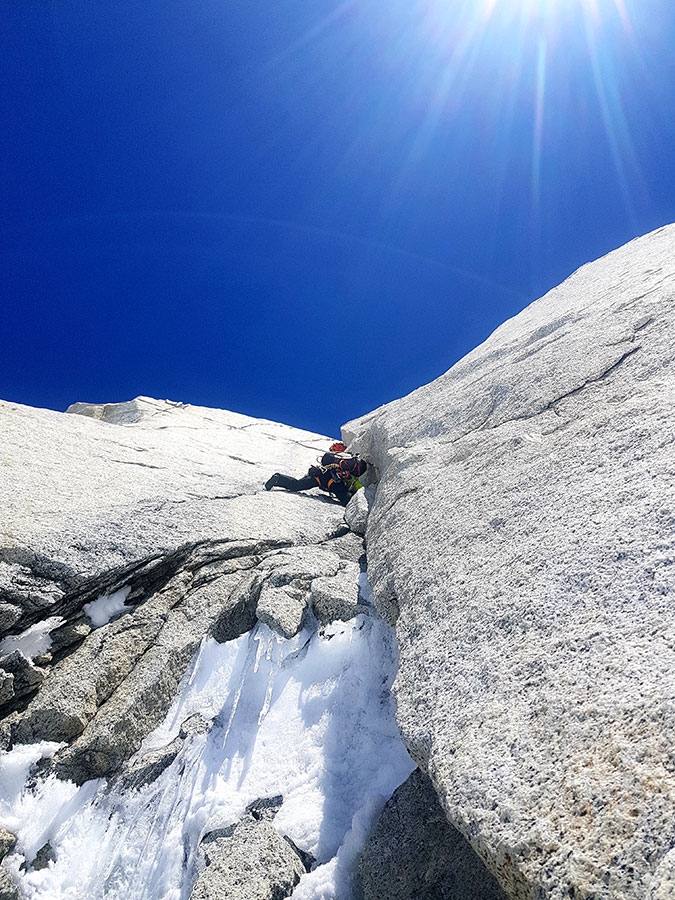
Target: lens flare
[(502, 56)]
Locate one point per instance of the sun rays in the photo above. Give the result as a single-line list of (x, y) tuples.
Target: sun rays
[(503, 57)]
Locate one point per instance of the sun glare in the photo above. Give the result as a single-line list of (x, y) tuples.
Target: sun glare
[(505, 58), (552, 11)]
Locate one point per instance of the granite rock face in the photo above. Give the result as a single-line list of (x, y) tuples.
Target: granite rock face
[(358, 509), (337, 596), (521, 537), (523, 540)]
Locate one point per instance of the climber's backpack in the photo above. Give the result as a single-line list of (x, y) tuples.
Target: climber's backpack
[(347, 466), (338, 468)]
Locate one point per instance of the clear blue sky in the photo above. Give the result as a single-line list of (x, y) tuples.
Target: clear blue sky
[(301, 209)]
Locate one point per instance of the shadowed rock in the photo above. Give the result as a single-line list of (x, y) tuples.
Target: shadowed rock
[(147, 767), (26, 677), (337, 596), (415, 854)]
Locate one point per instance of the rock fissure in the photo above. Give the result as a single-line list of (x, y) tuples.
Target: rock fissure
[(131, 462), (551, 404)]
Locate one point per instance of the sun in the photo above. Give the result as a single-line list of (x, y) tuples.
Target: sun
[(512, 65)]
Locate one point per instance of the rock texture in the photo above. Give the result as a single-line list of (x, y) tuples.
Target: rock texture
[(521, 536), (8, 890), (337, 596), (358, 509), (7, 842), (523, 539), (415, 854)]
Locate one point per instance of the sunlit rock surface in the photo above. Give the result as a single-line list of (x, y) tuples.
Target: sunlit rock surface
[(249, 861), (164, 502), (523, 540), (177, 643)]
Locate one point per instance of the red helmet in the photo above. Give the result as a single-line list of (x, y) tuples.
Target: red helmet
[(337, 447)]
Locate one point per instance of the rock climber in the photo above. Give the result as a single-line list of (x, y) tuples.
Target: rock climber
[(338, 473)]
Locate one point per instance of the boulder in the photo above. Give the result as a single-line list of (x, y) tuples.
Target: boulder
[(523, 540), (145, 768), (414, 853), (265, 807), (67, 635), (284, 597), (283, 608), (43, 857), (337, 596), (298, 565), (249, 861), (358, 508), (151, 676)]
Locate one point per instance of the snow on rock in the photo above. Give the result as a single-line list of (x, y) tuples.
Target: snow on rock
[(107, 606), (520, 538), (150, 508), (307, 721), (523, 540), (34, 641)]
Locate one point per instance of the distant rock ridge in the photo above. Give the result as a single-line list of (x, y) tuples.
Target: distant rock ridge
[(520, 536)]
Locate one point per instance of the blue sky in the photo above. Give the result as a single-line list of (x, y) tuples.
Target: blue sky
[(301, 209)]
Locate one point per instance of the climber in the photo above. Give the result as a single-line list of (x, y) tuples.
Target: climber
[(338, 473)]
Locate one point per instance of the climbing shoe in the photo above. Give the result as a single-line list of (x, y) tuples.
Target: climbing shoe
[(272, 482)]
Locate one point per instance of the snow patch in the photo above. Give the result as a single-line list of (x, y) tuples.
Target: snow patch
[(101, 611), (34, 641)]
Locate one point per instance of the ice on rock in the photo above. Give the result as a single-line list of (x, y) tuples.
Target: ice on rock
[(310, 719), (32, 642)]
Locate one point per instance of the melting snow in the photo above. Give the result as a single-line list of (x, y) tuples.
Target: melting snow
[(311, 718)]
